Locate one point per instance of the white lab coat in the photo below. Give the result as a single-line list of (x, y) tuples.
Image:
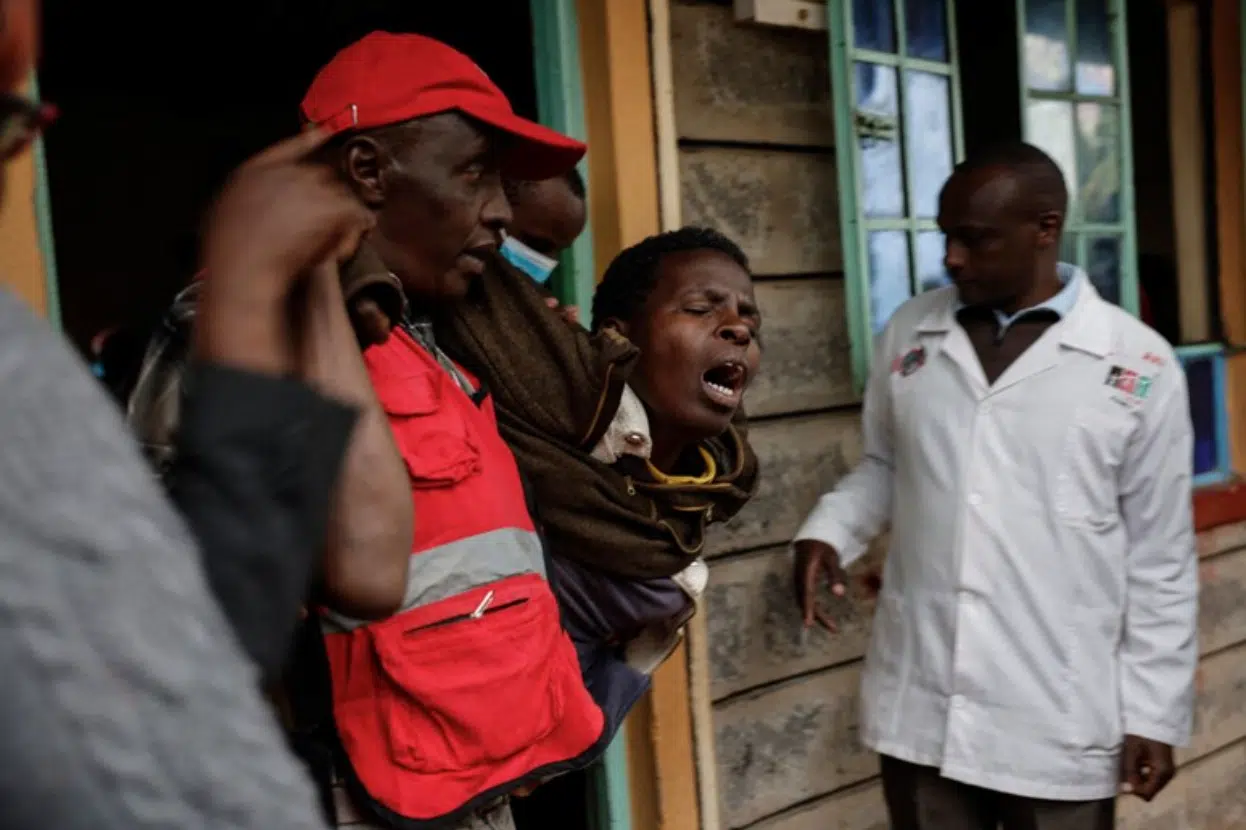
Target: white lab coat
[(1040, 595)]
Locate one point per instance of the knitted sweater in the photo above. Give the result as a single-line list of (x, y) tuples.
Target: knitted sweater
[(127, 703)]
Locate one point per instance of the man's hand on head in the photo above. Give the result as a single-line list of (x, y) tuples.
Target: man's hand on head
[(278, 217)]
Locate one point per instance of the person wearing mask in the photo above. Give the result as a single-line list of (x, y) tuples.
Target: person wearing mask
[(424, 138), (1029, 443), (131, 702)]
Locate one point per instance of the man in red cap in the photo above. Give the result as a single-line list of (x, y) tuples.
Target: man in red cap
[(472, 690)]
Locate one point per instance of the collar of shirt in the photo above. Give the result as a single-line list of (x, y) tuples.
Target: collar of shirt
[(421, 330), (1062, 303)]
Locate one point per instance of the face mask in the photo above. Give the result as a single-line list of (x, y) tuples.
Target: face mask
[(534, 264)]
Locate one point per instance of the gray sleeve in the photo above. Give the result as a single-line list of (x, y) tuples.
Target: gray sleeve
[(126, 701)]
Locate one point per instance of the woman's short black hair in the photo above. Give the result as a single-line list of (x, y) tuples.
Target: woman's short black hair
[(628, 282)]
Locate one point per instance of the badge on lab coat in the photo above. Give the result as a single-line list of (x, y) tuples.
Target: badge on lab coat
[(909, 362)]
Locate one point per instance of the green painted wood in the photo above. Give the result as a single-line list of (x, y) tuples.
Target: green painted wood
[(43, 223), (560, 101), (854, 225)]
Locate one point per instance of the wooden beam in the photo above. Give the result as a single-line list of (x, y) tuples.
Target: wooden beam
[(1188, 179), (624, 209), (1226, 58), (623, 189), (23, 272)]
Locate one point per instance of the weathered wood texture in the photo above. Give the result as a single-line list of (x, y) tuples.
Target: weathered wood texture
[(785, 743), (738, 82), (801, 458), (789, 744), (780, 207), (1222, 601), (1207, 795), (1219, 716), (857, 808), (756, 627), (1221, 539), (805, 363)]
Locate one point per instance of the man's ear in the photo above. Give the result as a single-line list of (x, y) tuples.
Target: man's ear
[(1050, 223), (363, 161)]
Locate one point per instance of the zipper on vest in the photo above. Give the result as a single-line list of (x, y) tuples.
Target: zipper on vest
[(486, 606)]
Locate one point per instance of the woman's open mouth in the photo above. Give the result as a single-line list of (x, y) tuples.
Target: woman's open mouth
[(724, 384)]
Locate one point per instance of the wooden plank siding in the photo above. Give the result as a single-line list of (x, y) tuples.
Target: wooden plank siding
[(756, 161), (748, 83), (779, 206), (796, 740), (753, 117)]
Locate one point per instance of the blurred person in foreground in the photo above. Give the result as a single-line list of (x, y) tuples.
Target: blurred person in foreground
[(131, 702)]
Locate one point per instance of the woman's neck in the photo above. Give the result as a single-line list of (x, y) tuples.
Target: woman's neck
[(668, 449)]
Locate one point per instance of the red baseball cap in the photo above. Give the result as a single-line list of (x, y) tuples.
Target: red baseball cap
[(388, 78)]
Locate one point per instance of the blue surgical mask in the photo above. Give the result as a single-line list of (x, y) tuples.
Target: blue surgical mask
[(533, 263)]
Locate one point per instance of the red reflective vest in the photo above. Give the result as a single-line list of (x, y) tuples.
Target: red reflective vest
[(473, 688)]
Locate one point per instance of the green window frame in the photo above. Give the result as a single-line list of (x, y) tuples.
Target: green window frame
[(560, 105), (1072, 100), (903, 218)]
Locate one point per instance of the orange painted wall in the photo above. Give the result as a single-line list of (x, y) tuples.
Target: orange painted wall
[(21, 263)]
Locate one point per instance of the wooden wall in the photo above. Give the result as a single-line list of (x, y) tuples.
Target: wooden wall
[(756, 161), (752, 113)]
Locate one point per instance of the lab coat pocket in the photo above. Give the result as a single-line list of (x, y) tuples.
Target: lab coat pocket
[(1087, 474), (1095, 708)]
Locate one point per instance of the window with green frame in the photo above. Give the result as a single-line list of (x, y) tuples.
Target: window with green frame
[(896, 89), (894, 64), (1075, 105)]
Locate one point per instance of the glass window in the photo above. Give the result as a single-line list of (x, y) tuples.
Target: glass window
[(929, 138), (1077, 120), (1204, 376), (896, 95), (926, 21), (874, 25), (1046, 46), (890, 284), (878, 137)]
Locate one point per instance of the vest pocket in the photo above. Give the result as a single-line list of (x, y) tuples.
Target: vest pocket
[(434, 439), (474, 680)]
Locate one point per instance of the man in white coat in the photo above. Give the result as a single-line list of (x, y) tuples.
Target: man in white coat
[(1029, 444)]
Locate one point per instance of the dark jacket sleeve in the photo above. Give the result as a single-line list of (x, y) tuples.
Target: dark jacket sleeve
[(557, 379), (256, 462)]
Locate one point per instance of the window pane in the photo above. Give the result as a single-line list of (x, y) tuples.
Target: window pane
[(1103, 265), (1095, 72), (1200, 379), (1098, 163), (878, 136), (930, 271), (926, 21), (1049, 125), (873, 25), (927, 138), (1046, 45), (1068, 249), (889, 275)]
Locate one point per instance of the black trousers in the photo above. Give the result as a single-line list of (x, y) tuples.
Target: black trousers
[(919, 798)]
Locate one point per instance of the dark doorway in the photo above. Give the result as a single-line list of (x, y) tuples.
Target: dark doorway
[(159, 102)]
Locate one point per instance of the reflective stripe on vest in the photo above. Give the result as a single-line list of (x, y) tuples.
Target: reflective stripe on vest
[(457, 567)]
